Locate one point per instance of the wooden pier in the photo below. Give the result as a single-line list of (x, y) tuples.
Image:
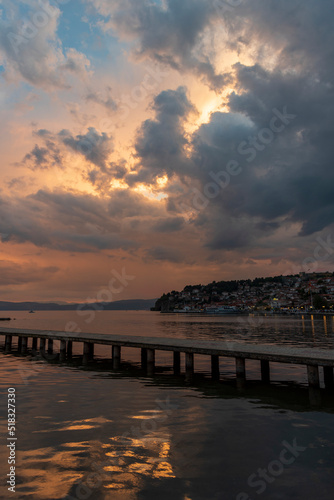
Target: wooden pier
[(313, 359)]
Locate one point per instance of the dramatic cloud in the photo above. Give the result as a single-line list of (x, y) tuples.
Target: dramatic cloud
[(44, 157), (161, 142), (160, 253), (95, 147), (220, 164), (61, 221), (169, 32), (30, 48)]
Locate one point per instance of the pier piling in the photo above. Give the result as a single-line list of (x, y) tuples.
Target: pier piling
[(34, 344), (150, 362), (91, 351), (24, 345), (265, 371), (8, 343), (62, 355), (144, 358), (313, 376), (240, 367), (50, 346), (328, 377), (42, 346), (116, 357), (19, 344), (177, 362), (189, 365), (69, 349), (86, 353), (215, 367)]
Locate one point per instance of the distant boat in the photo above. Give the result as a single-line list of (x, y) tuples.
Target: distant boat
[(31, 312), (5, 319)]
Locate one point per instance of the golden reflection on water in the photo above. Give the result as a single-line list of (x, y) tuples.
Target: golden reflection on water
[(138, 457), (313, 329), (325, 325), (50, 474), (125, 464)]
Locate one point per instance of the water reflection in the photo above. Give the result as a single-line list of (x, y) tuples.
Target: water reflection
[(325, 325), (101, 435)]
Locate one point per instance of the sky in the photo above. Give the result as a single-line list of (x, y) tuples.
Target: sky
[(151, 144)]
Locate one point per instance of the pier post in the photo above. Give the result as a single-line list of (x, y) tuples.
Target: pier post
[(265, 371), (189, 365), (62, 356), (313, 375), (150, 362), (86, 353), (177, 362), (328, 377), (215, 367), (240, 367), (34, 344), (91, 351), (24, 345), (19, 344), (69, 349), (8, 343), (42, 346), (144, 358), (50, 346), (116, 357)]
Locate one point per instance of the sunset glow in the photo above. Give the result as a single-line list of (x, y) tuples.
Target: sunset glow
[(119, 120)]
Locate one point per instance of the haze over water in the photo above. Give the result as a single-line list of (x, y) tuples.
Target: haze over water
[(149, 438)]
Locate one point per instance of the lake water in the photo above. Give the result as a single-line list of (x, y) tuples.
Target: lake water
[(92, 433)]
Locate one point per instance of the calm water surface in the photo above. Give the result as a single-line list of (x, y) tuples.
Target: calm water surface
[(91, 433)]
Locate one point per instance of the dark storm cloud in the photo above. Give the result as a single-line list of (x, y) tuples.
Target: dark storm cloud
[(169, 33), (40, 156), (95, 147), (125, 203), (163, 253), (286, 178), (160, 142), (169, 225), (284, 174), (44, 157), (61, 221)]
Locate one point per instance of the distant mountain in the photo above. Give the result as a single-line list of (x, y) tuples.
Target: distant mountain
[(119, 305)]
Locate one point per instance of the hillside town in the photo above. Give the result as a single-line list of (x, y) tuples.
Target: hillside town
[(300, 293)]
